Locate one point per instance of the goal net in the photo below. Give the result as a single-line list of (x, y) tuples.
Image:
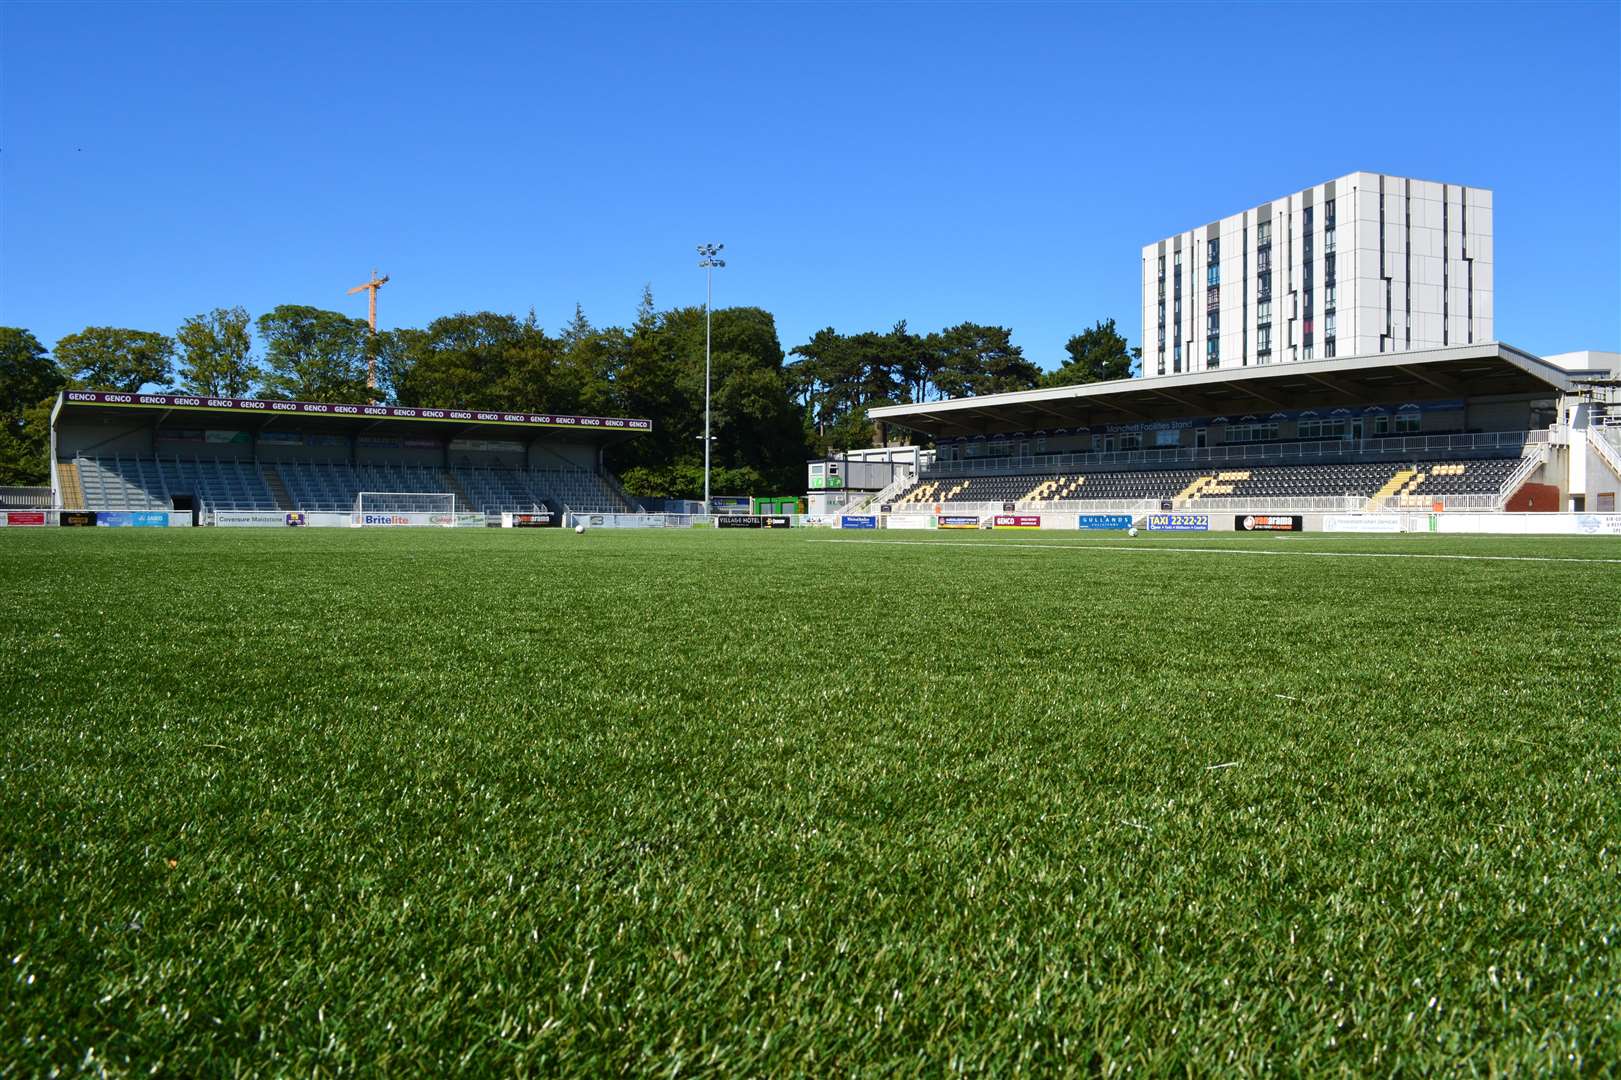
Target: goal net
[(395, 509)]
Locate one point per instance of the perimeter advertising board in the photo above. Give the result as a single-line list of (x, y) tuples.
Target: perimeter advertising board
[(258, 519), (1268, 522), (959, 521), (1120, 522), (737, 521), (1178, 522), (858, 521), (1016, 521), (77, 517), (538, 520), (20, 518), (1362, 523), (137, 519), (909, 521), (776, 521)]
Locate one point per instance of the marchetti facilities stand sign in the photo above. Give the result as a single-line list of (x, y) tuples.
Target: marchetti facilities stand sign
[(738, 521), (1268, 522)]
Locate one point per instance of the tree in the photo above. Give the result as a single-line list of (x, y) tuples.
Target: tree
[(480, 360), (977, 359), (216, 354), (1099, 354), (28, 382), (115, 358), (314, 355)]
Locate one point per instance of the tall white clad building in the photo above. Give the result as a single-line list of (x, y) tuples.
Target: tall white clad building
[(1363, 264)]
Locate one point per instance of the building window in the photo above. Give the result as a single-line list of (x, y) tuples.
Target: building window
[(1212, 321), (1212, 297), (1381, 425), (1328, 324), (1406, 423), (1263, 338), (1263, 259), (1263, 233), (1328, 213), (1212, 274), (1263, 311), (1328, 348), (1162, 357), (1259, 431), (1212, 351), (1263, 286), (1162, 268), (1328, 267), (1213, 249), (1176, 356), (1328, 297)]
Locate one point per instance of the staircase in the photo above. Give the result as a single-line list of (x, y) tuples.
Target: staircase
[(1201, 485), (278, 490), (454, 486), (1608, 452), (67, 476), (1393, 485)]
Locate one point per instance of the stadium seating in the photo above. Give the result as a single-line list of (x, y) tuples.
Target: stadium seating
[(123, 483), (1414, 483)]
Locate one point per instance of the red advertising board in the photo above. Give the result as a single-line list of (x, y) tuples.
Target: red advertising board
[(1017, 521), (25, 517)]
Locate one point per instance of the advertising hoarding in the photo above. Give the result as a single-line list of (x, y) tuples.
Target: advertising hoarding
[(1016, 521), (737, 521), (1268, 522), (1119, 522), (77, 517), (858, 521), (1178, 522), (959, 521), (1362, 523), (19, 518)]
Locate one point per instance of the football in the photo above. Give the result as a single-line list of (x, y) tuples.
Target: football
[(1132, 531), (580, 528)]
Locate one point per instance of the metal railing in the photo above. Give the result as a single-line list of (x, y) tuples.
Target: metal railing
[(1535, 457), (1325, 450), (1606, 443)]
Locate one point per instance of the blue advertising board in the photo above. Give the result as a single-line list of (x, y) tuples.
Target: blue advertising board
[(858, 521), (1179, 522), (1104, 521), (152, 519)]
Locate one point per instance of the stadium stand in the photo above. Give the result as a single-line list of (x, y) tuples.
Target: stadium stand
[(121, 483), (1417, 482), (116, 452)]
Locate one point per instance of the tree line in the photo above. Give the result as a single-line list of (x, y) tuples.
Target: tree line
[(771, 409)]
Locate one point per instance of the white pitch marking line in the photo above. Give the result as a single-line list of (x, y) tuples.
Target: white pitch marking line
[(1151, 548)]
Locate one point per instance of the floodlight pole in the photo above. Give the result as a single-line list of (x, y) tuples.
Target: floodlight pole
[(708, 264)]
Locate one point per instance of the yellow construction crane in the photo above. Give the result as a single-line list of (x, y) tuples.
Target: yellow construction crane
[(371, 317)]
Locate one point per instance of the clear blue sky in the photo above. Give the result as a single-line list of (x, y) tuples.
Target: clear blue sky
[(862, 164)]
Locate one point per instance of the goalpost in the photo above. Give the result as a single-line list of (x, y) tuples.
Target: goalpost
[(396, 509)]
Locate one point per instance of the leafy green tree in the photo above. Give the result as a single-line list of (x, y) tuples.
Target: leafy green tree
[(977, 359), (481, 360), (28, 382), (115, 358), (315, 355), (1098, 354), (216, 354)]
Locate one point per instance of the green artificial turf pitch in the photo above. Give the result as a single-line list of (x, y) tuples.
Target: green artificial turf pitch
[(441, 801)]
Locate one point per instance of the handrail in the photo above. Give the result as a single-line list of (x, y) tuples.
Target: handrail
[(1536, 456), (1607, 444)]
